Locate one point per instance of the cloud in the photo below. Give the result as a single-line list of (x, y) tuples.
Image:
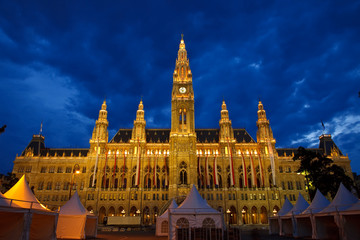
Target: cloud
[(340, 127)]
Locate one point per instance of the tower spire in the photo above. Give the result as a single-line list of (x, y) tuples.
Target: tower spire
[(226, 131), (182, 72), (264, 130), (100, 132), (138, 133)]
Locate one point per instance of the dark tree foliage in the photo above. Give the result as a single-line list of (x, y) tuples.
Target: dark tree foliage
[(9, 181), (321, 173)]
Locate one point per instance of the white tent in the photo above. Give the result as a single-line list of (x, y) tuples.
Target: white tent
[(162, 222), (75, 221), (350, 219), (22, 192), (34, 221), (326, 223), (194, 212), (287, 221), (12, 219), (305, 219), (274, 222)]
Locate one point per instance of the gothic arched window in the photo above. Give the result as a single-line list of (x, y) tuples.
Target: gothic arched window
[(183, 173)]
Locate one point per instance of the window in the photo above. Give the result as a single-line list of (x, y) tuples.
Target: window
[(51, 169), (57, 186), (183, 173), (66, 186), (21, 169), (40, 185), (84, 170), (43, 170), (28, 169), (165, 227), (49, 186), (59, 170), (208, 223), (68, 169), (182, 223)]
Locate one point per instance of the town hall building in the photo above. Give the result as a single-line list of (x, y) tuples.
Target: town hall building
[(139, 171)]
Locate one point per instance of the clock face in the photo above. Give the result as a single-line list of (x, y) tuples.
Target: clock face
[(182, 90)]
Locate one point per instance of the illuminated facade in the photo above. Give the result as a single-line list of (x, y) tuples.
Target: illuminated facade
[(139, 170)]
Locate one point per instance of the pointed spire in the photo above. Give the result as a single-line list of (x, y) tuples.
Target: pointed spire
[(224, 113), (261, 111), (138, 133), (100, 130), (103, 106), (226, 131), (223, 106), (182, 43), (182, 72)]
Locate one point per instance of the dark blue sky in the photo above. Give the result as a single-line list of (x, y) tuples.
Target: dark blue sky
[(60, 59)]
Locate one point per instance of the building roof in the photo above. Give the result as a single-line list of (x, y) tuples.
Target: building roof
[(163, 136), (283, 152), (328, 145), (37, 144)]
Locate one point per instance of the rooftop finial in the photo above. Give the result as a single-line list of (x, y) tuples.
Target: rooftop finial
[(182, 36)]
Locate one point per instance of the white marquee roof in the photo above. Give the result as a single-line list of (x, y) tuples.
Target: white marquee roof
[(21, 191)]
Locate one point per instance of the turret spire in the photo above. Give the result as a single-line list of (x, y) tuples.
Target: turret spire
[(138, 133), (226, 131), (100, 132)]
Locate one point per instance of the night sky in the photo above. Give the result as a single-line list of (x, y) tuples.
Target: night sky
[(60, 59)]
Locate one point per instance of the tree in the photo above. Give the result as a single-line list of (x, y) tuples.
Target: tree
[(321, 173), (8, 181)]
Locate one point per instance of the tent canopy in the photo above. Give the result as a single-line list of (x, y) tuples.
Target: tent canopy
[(172, 205), (319, 203), (287, 206), (194, 202), (342, 200), (4, 202), (73, 206), (26, 198), (300, 205)]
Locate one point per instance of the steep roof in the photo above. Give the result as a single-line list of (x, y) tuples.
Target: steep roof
[(21, 191), (194, 203), (73, 206), (173, 205), (300, 205), (163, 136), (342, 200), (319, 203), (287, 206), (327, 144)]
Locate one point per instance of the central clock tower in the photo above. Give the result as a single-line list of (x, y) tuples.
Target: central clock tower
[(182, 161)]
